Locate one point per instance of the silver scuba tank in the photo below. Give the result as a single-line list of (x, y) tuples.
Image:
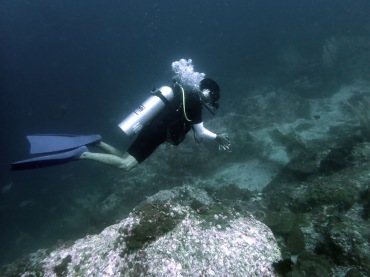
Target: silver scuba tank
[(133, 124)]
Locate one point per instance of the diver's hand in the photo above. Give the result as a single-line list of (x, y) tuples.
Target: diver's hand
[(223, 142)]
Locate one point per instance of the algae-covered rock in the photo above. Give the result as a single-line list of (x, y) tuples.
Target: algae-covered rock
[(347, 243), (295, 242), (280, 222), (184, 195), (231, 192), (166, 238), (154, 221), (61, 269), (327, 194), (321, 192), (217, 215), (365, 200), (312, 265)]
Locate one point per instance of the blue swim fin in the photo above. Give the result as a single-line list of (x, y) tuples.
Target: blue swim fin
[(54, 143), (49, 160)]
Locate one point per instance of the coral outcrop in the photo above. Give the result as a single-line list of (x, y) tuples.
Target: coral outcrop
[(162, 237)]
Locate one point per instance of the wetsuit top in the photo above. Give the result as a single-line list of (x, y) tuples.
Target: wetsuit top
[(170, 125), (179, 119)]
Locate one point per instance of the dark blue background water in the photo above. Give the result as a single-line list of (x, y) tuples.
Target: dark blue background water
[(81, 66)]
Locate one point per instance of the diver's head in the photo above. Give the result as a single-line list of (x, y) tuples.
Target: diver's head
[(209, 93)]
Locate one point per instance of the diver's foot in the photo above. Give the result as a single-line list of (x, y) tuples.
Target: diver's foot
[(85, 155)]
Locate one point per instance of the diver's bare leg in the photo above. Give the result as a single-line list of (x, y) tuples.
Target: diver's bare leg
[(126, 163), (110, 149)]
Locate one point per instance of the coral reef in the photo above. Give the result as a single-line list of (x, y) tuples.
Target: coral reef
[(297, 167), (327, 212), (166, 239)]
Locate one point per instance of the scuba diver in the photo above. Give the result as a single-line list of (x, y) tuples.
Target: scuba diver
[(166, 116)]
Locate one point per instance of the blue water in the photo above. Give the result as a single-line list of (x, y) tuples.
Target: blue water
[(81, 66)]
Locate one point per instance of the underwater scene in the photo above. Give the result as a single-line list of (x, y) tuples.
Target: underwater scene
[(185, 138)]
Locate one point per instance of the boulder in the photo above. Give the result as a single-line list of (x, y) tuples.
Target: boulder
[(167, 235)]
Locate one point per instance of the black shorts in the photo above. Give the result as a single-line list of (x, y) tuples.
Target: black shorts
[(147, 141)]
